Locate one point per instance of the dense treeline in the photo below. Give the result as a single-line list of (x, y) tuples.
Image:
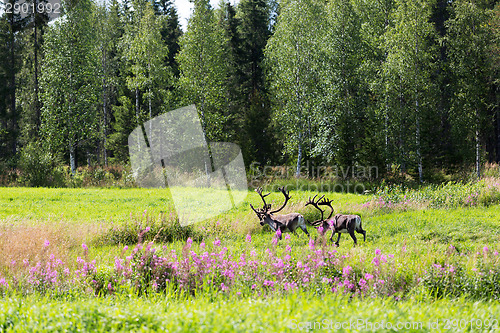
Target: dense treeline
[(404, 85)]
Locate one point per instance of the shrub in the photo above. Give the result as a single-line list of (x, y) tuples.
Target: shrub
[(39, 166), (165, 229)]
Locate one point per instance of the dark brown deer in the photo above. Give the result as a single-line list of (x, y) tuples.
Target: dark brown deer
[(339, 224), (347, 224), (287, 222)]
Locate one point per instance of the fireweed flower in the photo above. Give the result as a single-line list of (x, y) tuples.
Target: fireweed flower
[(248, 239), (278, 233), (47, 243)]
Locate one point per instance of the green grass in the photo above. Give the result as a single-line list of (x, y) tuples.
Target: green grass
[(236, 314), (418, 236), (105, 204), (82, 205)]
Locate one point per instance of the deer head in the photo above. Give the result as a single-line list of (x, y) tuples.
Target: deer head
[(265, 214)]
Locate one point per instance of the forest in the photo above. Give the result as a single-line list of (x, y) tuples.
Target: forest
[(407, 86)]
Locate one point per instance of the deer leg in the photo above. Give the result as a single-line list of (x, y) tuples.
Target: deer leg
[(361, 231), (338, 239), (351, 232)]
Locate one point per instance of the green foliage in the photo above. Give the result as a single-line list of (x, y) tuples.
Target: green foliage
[(144, 51), (164, 229), (446, 195), (341, 119), (39, 166), (294, 65), (68, 81), (203, 69), (467, 44), (248, 34)]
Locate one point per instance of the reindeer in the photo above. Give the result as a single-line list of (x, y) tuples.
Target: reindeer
[(288, 222), (339, 224)]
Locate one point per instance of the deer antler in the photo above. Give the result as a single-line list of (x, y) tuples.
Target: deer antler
[(316, 205), (327, 202), (256, 211), (287, 197), (262, 196)]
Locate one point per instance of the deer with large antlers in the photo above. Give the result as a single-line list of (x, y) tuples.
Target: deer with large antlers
[(287, 222), (339, 224)]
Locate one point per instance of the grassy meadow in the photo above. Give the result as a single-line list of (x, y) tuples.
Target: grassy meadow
[(105, 259)]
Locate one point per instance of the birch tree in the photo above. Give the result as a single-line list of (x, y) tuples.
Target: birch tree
[(203, 69), (467, 40), (68, 81), (408, 64), (294, 61)]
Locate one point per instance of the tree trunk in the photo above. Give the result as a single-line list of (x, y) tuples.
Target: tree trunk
[(38, 113), (419, 153), (478, 148), (72, 160), (137, 106), (417, 116), (149, 101), (498, 123), (12, 88), (208, 163), (402, 129), (105, 109), (386, 133), (299, 156), (88, 157), (137, 115)]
